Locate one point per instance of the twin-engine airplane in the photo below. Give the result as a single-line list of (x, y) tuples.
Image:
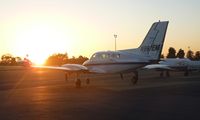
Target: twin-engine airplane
[(173, 64), (121, 61)]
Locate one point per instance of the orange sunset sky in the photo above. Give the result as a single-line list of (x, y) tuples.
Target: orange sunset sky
[(40, 28)]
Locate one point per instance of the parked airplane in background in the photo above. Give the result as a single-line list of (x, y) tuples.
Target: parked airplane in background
[(175, 64), (121, 61), (25, 62)]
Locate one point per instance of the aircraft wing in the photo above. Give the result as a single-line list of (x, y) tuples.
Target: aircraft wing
[(157, 67), (65, 67), (71, 68)]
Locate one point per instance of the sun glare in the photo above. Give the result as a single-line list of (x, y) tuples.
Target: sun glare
[(38, 59), (41, 40)]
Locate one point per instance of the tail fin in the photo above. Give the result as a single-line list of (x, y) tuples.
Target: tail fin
[(153, 42)]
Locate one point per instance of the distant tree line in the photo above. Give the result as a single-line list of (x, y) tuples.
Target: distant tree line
[(8, 59), (60, 59), (181, 54), (56, 59)]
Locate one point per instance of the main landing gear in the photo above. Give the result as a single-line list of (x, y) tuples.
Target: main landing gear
[(167, 73), (78, 81), (134, 79)]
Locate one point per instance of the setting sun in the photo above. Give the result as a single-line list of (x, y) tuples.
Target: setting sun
[(39, 40)]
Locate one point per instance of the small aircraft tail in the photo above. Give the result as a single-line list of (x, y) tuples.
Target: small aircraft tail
[(153, 42)]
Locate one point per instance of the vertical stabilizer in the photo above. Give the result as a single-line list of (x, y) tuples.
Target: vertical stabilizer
[(153, 42)]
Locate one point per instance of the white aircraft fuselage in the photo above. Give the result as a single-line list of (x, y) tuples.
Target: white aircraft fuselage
[(114, 62)]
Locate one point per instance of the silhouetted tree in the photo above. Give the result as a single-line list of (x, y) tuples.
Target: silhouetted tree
[(162, 56), (18, 58), (60, 59), (197, 55), (190, 55), (57, 59), (13, 61), (82, 59), (72, 60), (171, 53), (79, 60), (180, 54), (6, 59)]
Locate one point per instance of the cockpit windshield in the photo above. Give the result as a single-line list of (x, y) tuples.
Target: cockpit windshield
[(93, 56)]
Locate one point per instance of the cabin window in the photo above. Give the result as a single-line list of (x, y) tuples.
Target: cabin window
[(93, 56), (104, 56), (118, 56), (115, 55)]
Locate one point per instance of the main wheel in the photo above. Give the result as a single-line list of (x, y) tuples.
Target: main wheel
[(134, 79), (167, 73), (161, 74)]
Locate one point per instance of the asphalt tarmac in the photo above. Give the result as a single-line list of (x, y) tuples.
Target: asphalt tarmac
[(45, 95)]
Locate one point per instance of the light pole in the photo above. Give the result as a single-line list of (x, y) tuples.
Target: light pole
[(115, 36)]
